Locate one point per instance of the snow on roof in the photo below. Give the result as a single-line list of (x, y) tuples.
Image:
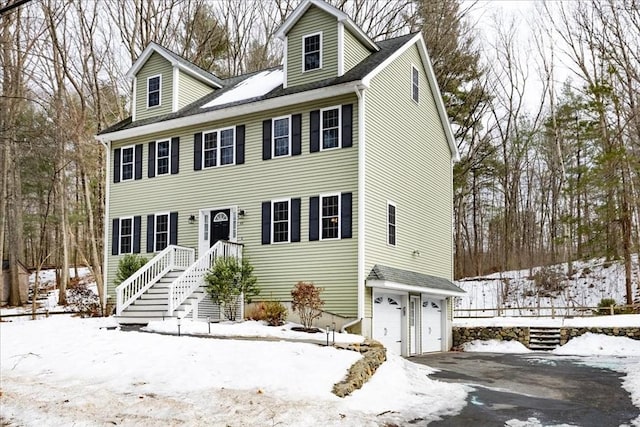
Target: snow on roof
[(255, 86)]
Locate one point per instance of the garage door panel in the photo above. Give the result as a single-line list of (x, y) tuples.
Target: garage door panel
[(432, 324), (387, 312)]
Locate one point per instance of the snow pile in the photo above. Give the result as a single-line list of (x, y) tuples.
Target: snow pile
[(495, 346), (66, 371), (600, 345), (252, 87), (249, 328), (533, 422), (619, 320)]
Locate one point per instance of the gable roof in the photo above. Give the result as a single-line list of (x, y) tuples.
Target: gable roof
[(356, 74), (175, 60), (414, 280), (331, 10)]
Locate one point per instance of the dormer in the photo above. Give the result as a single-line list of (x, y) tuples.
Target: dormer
[(321, 42), (164, 82)]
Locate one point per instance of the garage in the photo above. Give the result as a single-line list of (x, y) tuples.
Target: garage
[(410, 310), (387, 312)]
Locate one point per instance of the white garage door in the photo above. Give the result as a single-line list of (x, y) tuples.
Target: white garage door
[(387, 320), (432, 324)]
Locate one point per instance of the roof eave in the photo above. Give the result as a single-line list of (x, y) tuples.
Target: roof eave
[(402, 287)]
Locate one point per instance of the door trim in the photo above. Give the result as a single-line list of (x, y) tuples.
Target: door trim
[(204, 223), (416, 337)]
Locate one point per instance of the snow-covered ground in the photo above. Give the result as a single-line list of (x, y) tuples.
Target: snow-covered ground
[(72, 371), (516, 292)]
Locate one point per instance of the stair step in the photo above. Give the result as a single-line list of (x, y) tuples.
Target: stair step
[(146, 313), (146, 307)]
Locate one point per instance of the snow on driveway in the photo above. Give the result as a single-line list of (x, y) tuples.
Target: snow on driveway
[(69, 371)]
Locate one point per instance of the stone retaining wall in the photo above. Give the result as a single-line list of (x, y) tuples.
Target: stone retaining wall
[(463, 335), (566, 334), (373, 355)]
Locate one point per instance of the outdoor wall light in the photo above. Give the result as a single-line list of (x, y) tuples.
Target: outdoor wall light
[(416, 252), (241, 213), (192, 219)]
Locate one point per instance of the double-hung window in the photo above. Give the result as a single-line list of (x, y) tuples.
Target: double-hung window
[(415, 84), (330, 216), (312, 47), (126, 235), (391, 224), (218, 147), (154, 85), (280, 217), (281, 136), (163, 157), (330, 127), (161, 231), (127, 163)]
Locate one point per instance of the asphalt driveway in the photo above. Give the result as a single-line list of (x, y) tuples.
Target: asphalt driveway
[(552, 389)]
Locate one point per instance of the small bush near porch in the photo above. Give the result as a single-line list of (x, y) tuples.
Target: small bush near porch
[(227, 280)]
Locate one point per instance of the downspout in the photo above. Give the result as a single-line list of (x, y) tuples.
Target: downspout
[(107, 145), (360, 92)]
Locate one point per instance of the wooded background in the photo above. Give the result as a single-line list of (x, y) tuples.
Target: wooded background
[(548, 125)]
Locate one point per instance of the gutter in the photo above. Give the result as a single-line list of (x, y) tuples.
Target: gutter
[(107, 145), (343, 330), (360, 92)]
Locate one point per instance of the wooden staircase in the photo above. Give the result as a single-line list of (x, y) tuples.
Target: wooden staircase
[(544, 338)]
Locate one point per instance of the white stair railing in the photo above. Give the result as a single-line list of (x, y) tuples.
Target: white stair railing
[(171, 258), (193, 277)]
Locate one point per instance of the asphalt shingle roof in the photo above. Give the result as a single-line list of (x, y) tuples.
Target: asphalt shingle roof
[(387, 48), (411, 278)]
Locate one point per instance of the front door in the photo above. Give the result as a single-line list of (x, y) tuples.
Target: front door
[(220, 221)]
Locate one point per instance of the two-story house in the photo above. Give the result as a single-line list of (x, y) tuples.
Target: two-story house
[(335, 168)]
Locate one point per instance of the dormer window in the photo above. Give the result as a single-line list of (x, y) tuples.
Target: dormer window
[(312, 47), (153, 91)]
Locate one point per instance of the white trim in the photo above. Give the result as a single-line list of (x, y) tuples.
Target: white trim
[(340, 49), (415, 70), (285, 63), (361, 93), (273, 136), (120, 219), (435, 90), (176, 88), (133, 163), (219, 147), (134, 99), (204, 224), (394, 286), (159, 76), (231, 112), (395, 224), (154, 47), (107, 224), (157, 157), (322, 110), (319, 33), (417, 319), (288, 200), (320, 197), (155, 229), (338, 14)]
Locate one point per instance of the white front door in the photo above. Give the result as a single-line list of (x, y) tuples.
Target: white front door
[(414, 322), (387, 320), (432, 310)]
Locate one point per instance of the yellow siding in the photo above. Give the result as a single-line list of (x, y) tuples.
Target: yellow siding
[(190, 89), (313, 21), (409, 163), (354, 51), (330, 264), (155, 65)]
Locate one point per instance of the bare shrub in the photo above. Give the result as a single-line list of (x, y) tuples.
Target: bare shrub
[(307, 302)]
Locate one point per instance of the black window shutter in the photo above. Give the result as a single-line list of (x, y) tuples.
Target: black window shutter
[(347, 125), (136, 234), (115, 236), (314, 126), (266, 139), (239, 144), (296, 134), (116, 166), (151, 219), (151, 167), (173, 228), (138, 161), (266, 223), (345, 230), (197, 151), (314, 218), (175, 155), (295, 220)]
